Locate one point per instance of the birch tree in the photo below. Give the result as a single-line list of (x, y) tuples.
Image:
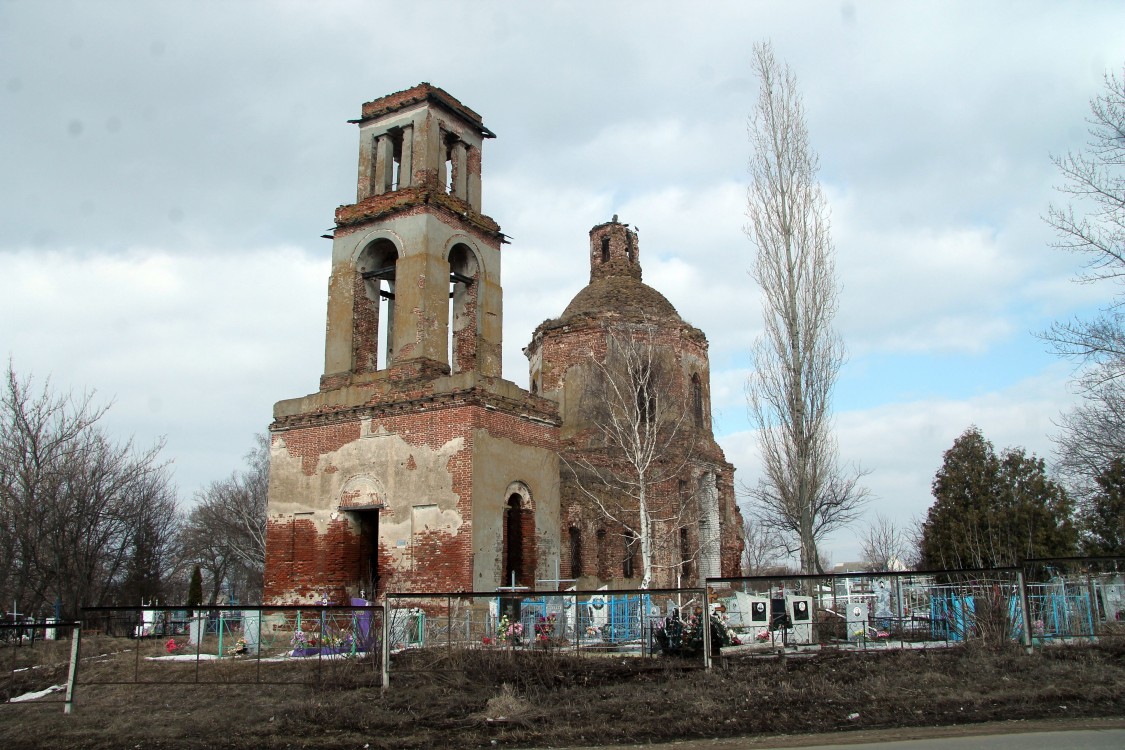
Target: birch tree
[(641, 446), (803, 492)]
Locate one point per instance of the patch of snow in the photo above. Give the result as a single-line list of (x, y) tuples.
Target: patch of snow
[(37, 694)]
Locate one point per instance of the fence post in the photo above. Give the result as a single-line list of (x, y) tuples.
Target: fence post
[(1024, 611), (1093, 617), (901, 610), (72, 676), (386, 679), (706, 625)]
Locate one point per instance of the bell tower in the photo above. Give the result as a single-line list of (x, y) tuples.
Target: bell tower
[(415, 286), (414, 466)]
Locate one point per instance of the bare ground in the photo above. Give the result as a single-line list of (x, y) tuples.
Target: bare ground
[(490, 699)]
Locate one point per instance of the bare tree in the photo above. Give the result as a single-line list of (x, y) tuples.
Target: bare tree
[(1092, 224), (804, 493), (886, 545), (642, 446), (1094, 180), (1091, 437), (762, 547), (81, 514), (225, 533)]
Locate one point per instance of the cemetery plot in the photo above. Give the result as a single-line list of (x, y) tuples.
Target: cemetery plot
[(235, 644), (426, 632)]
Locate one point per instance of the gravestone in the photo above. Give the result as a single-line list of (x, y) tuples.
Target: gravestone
[(858, 618), (801, 614), (197, 628), (883, 613), (251, 622)]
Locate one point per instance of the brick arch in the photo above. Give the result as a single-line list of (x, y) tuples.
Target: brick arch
[(470, 244), (362, 491)]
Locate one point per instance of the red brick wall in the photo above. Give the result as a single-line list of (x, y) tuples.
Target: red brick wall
[(300, 562)]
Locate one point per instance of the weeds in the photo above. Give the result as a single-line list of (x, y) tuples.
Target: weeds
[(554, 699)]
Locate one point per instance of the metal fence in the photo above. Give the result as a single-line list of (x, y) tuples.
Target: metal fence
[(433, 631), (233, 645), (1075, 597), (1038, 603), (40, 662)]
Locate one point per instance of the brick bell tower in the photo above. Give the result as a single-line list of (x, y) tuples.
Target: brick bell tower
[(415, 467)]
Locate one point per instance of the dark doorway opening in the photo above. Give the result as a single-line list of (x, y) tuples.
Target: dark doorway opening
[(368, 573)]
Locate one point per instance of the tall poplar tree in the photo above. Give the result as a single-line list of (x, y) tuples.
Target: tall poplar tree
[(803, 494)]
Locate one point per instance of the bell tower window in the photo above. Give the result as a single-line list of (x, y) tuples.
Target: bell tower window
[(605, 249), (463, 290), (391, 162), (373, 344)]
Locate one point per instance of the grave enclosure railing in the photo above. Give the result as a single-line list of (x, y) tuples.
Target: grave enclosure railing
[(1040, 603), (429, 632), (234, 645)]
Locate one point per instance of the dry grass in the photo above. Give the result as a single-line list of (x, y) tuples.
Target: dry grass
[(520, 699)]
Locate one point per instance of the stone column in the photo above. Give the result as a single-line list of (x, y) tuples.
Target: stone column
[(460, 170), (384, 164)]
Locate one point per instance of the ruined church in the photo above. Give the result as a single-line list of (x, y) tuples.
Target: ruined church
[(417, 467)]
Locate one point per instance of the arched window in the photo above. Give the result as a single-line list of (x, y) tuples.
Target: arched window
[(374, 306), (628, 565), (513, 541), (685, 556), (575, 552), (605, 249), (463, 290), (602, 567), (697, 399)]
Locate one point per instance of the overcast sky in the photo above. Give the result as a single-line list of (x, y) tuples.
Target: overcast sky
[(167, 169)]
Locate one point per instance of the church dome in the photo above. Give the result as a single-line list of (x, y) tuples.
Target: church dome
[(615, 280), (630, 298)]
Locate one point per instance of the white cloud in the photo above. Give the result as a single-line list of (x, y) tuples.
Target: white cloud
[(902, 443), (168, 170), (193, 347)]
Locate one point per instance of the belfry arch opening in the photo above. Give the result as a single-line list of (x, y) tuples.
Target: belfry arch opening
[(461, 346), (373, 342)]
